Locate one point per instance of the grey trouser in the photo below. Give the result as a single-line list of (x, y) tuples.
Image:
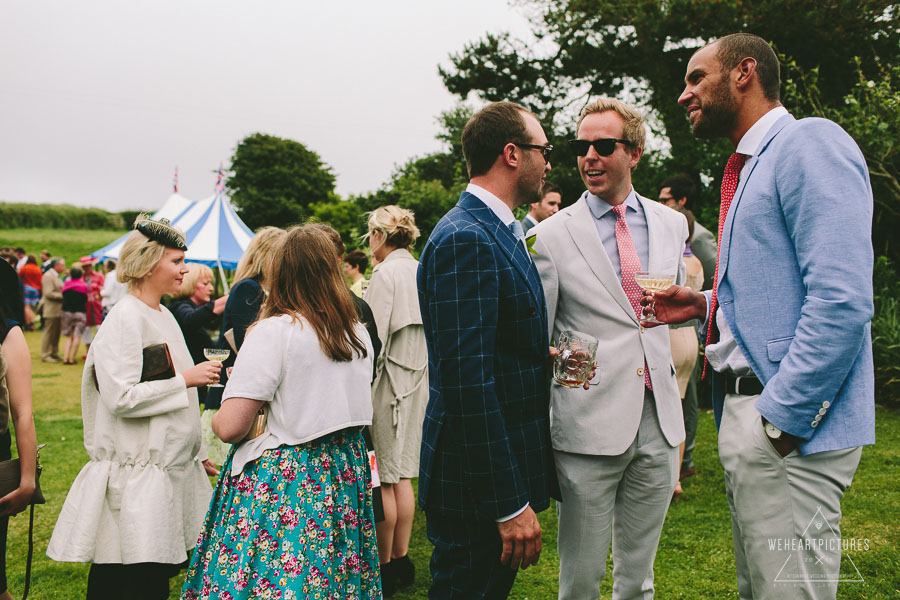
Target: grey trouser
[(623, 498), (785, 512)]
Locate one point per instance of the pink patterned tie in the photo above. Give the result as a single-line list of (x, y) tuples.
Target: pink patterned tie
[(630, 264), (729, 187)]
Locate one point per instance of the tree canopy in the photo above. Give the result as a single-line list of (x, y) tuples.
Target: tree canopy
[(274, 181), (637, 50)]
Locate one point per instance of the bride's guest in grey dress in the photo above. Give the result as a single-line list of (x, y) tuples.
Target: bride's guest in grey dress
[(400, 390)]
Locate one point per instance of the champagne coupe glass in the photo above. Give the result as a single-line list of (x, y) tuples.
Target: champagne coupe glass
[(218, 354), (653, 282)]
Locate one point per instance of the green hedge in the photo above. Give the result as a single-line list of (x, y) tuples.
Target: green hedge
[(59, 216), (886, 333)]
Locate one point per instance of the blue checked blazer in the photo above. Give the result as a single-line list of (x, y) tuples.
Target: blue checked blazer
[(486, 436)]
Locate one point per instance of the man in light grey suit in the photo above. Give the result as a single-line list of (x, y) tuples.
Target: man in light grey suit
[(788, 322), (615, 446)]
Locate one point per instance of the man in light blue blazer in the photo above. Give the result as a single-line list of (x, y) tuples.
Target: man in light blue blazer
[(790, 344)]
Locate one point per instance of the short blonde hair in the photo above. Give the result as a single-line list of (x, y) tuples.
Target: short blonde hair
[(195, 273), (634, 130), (138, 256), (260, 254), (397, 224)]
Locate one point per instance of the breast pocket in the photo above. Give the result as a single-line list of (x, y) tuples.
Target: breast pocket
[(777, 349)]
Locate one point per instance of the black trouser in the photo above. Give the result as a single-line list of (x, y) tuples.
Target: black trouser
[(465, 563), (689, 412), (138, 581)]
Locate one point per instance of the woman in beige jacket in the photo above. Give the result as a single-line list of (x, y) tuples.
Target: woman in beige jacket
[(400, 389)]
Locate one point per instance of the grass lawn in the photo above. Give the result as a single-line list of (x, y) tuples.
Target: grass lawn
[(70, 244), (695, 557)]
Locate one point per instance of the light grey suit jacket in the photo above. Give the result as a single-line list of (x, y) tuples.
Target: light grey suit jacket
[(584, 294)]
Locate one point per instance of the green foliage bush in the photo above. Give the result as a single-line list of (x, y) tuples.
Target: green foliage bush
[(886, 333), (57, 216)]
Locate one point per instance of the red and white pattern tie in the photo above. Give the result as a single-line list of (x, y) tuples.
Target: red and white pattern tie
[(630, 264), (729, 187)]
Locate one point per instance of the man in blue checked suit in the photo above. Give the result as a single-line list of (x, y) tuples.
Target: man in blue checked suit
[(486, 464)]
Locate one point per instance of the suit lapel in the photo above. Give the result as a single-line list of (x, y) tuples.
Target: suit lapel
[(509, 245), (725, 242), (584, 233)]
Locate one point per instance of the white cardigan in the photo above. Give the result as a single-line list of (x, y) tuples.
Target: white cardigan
[(144, 494), (309, 395)]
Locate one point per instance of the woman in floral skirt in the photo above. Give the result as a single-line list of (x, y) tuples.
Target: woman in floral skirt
[(292, 512)]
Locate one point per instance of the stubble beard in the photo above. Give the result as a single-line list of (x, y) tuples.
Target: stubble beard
[(527, 190), (718, 114)]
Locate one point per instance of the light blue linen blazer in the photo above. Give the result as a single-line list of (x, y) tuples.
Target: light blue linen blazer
[(795, 283)]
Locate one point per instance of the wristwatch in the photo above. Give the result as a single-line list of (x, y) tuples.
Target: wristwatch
[(773, 432)]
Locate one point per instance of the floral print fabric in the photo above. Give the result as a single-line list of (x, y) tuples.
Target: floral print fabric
[(296, 523)]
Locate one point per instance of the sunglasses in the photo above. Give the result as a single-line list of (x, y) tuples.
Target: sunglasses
[(603, 146), (545, 150)]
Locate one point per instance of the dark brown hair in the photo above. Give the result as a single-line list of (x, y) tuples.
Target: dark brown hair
[(487, 133), (307, 282), (734, 48), (358, 259)]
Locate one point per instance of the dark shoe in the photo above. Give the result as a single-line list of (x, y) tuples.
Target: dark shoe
[(388, 582), (689, 472), (50, 359), (403, 570)]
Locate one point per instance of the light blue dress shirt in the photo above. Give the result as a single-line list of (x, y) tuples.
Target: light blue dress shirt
[(605, 221)]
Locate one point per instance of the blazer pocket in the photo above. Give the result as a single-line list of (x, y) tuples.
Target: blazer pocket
[(776, 349)]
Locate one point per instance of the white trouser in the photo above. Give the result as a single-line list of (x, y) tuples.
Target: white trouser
[(623, 498), (785, 512)]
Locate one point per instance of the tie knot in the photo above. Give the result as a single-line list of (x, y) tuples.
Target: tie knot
[(619, 209), (517, 230), (735, 163)]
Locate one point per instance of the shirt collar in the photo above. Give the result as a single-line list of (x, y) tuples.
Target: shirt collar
[(493, 202), (532, 219), (599, 208), (749, 144)]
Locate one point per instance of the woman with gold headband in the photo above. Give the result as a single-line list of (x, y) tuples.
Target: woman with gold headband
[(137, 507)]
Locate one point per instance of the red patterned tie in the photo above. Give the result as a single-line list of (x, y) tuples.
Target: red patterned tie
[(631, 264), (729, 186)]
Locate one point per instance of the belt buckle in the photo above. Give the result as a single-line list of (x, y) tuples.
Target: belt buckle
[(737, 386)]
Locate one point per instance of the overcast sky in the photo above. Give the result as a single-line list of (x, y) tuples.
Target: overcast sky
[(100, 100)]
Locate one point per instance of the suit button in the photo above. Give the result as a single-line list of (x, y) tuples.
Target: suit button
[(822, 411), (533, 311), (814, 424), (640, 371), (826, 404)]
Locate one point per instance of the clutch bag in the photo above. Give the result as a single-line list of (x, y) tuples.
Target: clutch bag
[(259, 423), (157, 364), (11, 474)]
